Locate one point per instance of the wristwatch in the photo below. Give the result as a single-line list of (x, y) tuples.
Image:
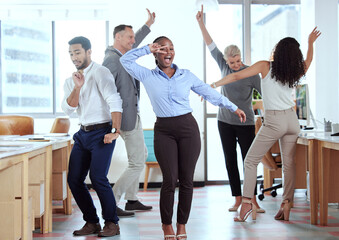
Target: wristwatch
[(114, 130)]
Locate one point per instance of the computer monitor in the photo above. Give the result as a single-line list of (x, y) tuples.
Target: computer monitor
[(302, 105)]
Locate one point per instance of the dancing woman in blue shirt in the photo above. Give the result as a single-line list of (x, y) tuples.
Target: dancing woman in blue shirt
[(176, 133)]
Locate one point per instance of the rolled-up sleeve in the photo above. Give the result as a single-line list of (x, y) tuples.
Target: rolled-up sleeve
[(68, 110), (108, 89), (212, 46)]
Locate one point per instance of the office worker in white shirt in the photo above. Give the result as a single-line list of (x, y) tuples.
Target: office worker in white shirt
[(92, 93)]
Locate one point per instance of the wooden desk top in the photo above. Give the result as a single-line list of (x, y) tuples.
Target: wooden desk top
[(15, 145), (318, 135)]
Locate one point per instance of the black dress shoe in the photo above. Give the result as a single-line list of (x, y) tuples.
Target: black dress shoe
[(110, 229), (88, 229), (122, 213), (137, 206)]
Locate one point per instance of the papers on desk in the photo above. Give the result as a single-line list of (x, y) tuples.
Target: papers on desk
[(38, 137), (56, 135), (12, 146)]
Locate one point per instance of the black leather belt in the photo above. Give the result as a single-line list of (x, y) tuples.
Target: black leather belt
[(95, 126)]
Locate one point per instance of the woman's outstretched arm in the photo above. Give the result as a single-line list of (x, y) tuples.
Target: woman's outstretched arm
[(261, 67)]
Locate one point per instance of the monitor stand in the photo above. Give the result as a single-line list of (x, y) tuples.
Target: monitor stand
[(313, 119), (305, 127)]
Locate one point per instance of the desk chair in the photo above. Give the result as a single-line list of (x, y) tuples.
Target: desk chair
[(272, 166), (61, 125), (16, 125), (151, 161), (257, 104)]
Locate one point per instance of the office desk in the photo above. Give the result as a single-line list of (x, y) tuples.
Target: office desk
[(308, 139), (13, 196), (31, 164), (323, 165), (328, 164), (61, 150), (15, 167)]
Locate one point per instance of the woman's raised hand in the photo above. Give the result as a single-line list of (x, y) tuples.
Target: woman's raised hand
[(156, 48), (313, 35)]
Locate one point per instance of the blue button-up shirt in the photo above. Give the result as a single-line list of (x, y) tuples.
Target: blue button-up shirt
[(170, 96)]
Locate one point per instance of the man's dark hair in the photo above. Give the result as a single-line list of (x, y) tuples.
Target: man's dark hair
[(120, 28), (85, 43)]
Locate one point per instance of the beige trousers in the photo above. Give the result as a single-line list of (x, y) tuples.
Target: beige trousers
[(128, 182), (279, 125)]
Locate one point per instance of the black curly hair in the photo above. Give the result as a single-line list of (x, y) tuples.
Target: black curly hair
[(288, 62), (158, 39)]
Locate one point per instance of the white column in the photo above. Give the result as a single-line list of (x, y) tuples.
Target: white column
[(323, 74)]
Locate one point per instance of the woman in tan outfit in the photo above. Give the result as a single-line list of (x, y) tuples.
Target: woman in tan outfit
[(279, 77)]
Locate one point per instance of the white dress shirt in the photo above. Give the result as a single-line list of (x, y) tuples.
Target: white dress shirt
[(98, 96)]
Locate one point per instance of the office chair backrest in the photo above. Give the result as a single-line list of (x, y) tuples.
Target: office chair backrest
[(16, 125), (258, 104), (149, 141), (61, 125)]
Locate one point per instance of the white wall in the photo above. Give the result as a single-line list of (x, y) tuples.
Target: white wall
[(322, 76)]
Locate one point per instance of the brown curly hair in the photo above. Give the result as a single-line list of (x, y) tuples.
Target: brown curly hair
[(288, 62)]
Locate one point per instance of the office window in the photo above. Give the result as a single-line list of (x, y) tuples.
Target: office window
[(269, 24), (225, 28), (95, 31), (28, 48), (26, 67)]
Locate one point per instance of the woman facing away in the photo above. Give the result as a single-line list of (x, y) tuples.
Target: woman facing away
[(176, 133), (279, 77), (230, 129)]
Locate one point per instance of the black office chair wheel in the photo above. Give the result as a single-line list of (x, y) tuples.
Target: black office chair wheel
[(261, 197), (273, 193)]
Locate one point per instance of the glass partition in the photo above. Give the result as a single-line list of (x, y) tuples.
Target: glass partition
[(225, 28), (269, 24), (26, 67)]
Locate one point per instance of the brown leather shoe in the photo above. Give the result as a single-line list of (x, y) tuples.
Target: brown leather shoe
[(87, 229), (110, 229)]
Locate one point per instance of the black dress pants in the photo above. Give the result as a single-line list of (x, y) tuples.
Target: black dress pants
[(177, 147), (230, 135)]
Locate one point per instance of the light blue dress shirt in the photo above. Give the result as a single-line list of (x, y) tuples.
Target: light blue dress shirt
[(170, 96)]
